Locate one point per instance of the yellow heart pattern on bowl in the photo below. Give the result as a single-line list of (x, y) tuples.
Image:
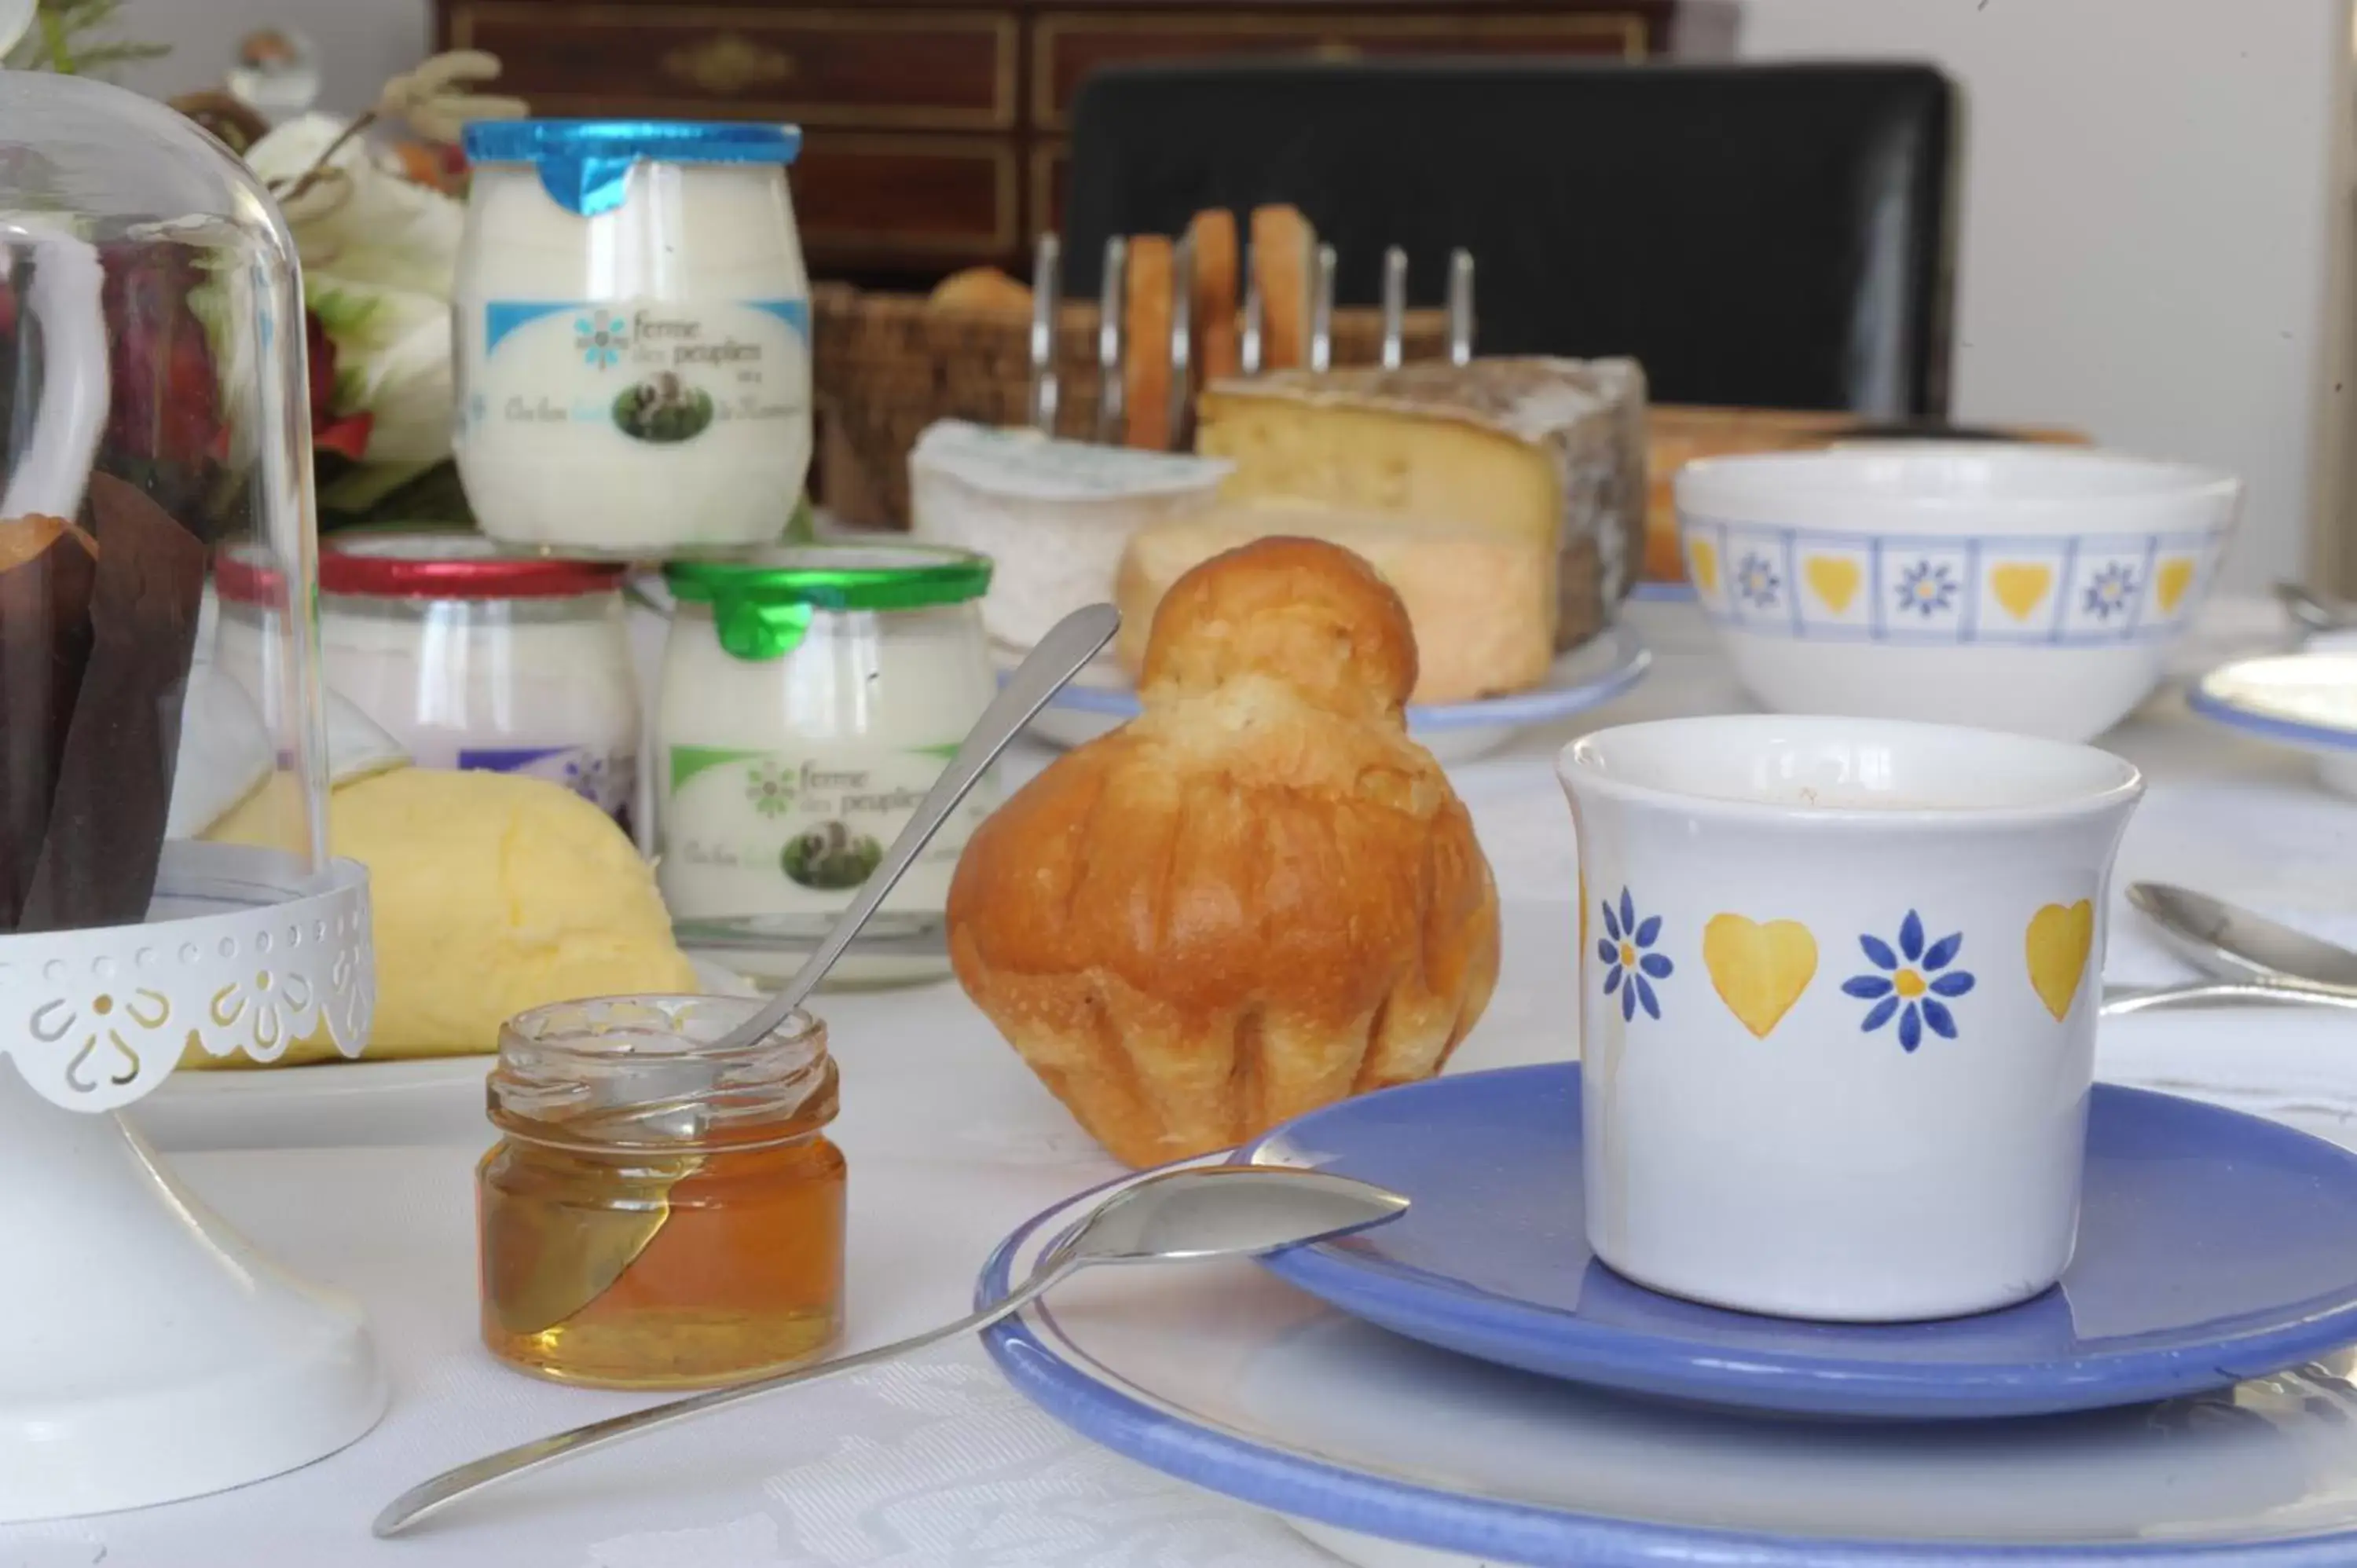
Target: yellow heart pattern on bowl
[(1833, 579), (2020, 587), (1702, 560), (1759, 970), (1824, 586), (2169, 584), (2060, 936)]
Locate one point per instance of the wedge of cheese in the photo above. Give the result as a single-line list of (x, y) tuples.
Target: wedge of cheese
[(1481, 600), (1550, 452)]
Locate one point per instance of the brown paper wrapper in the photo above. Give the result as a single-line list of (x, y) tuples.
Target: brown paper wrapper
[(105, 837), (48, 567)]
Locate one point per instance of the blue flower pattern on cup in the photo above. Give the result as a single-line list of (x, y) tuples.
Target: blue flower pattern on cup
[(1630, 968), (2112, 591), (1914, 984), (600, 338), (1756, 581), (1927, 587)]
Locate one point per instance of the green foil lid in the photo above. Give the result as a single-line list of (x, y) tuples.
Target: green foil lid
[(761, 605)]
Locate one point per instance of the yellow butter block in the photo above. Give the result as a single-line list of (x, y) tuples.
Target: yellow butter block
[(491, 894)]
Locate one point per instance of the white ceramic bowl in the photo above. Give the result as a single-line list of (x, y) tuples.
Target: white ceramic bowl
[(2018, 588), (1838, 987)]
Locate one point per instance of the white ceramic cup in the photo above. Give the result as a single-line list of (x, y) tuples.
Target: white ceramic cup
[(1838, 989)]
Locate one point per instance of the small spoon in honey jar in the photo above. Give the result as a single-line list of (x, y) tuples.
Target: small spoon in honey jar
[(1047, 670), (553, 1277), (1205, 1211)]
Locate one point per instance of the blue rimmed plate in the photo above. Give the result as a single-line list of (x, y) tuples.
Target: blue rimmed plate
[(1397, 1455), (1587, 677), (2306, 701), (2213, 1247)]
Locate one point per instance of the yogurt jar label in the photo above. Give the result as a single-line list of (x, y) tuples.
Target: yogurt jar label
[(607, 779), (650, 372), (759, 832)]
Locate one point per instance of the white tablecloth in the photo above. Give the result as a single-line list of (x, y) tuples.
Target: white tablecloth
[(935, 1462)]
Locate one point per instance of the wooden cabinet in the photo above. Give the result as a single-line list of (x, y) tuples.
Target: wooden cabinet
[(1067, 45), (859, 195), (935, 132), (863, 68)]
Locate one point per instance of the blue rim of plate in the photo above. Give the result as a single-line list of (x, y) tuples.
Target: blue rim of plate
[(1665, 593), (1292, 1484), (1835, 1384), (1544, 705), (2234, 714)]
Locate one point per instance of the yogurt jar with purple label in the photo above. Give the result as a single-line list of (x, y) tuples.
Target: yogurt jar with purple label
[(472, 657)]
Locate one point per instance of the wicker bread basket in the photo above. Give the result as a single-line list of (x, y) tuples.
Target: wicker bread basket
[(887, 365)]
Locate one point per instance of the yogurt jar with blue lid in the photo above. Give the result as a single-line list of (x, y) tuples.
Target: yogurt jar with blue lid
[(632, 344)]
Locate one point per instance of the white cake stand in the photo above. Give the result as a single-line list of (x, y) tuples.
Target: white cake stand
[(147, 1352)]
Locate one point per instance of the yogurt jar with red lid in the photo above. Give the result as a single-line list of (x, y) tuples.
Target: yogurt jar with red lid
[(471, 656)]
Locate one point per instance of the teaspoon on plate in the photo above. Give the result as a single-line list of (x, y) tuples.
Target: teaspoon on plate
[(2233, 944), (2312, 611), (1213, 1211), (2250, 959)]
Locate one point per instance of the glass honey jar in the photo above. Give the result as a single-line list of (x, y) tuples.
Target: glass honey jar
[(658, 1214)]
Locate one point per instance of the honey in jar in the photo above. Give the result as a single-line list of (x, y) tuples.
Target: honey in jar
[(659, 1214)]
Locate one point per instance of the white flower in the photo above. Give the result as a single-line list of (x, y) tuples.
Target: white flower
[(435, 99), (379, 252), (365, 222), (16, 16), (392, 360)]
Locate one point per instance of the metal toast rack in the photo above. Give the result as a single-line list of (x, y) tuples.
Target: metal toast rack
[(1047, 297)]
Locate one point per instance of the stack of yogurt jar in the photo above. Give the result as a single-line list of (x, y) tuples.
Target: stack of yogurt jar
[(633, 432)]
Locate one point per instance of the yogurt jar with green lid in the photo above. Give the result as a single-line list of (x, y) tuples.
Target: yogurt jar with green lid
[(810, 698)]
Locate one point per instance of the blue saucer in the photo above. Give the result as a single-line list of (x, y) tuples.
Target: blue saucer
[(2213, 1247)]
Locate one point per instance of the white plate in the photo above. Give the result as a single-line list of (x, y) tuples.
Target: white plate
[(370, 1103), (1102, 699), (1391, 1453), (2308, 701)]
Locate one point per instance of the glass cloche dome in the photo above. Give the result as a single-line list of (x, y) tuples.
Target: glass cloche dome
[(164, 882), (154, 434)]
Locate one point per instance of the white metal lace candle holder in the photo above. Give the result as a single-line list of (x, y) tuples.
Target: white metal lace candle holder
[(147, 1352)]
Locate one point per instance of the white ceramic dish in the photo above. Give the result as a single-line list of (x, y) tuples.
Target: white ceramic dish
[(1587, 677), (226, 749), (2306, 701), (1837, 1004), (2018, 588), (1393, 1455), (233, 1108)]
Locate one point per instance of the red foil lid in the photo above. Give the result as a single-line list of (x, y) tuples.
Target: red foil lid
[(453, 566), (422, 565), (244, 574)]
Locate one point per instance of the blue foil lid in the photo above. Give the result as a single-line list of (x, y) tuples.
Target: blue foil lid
[(584, 164)]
